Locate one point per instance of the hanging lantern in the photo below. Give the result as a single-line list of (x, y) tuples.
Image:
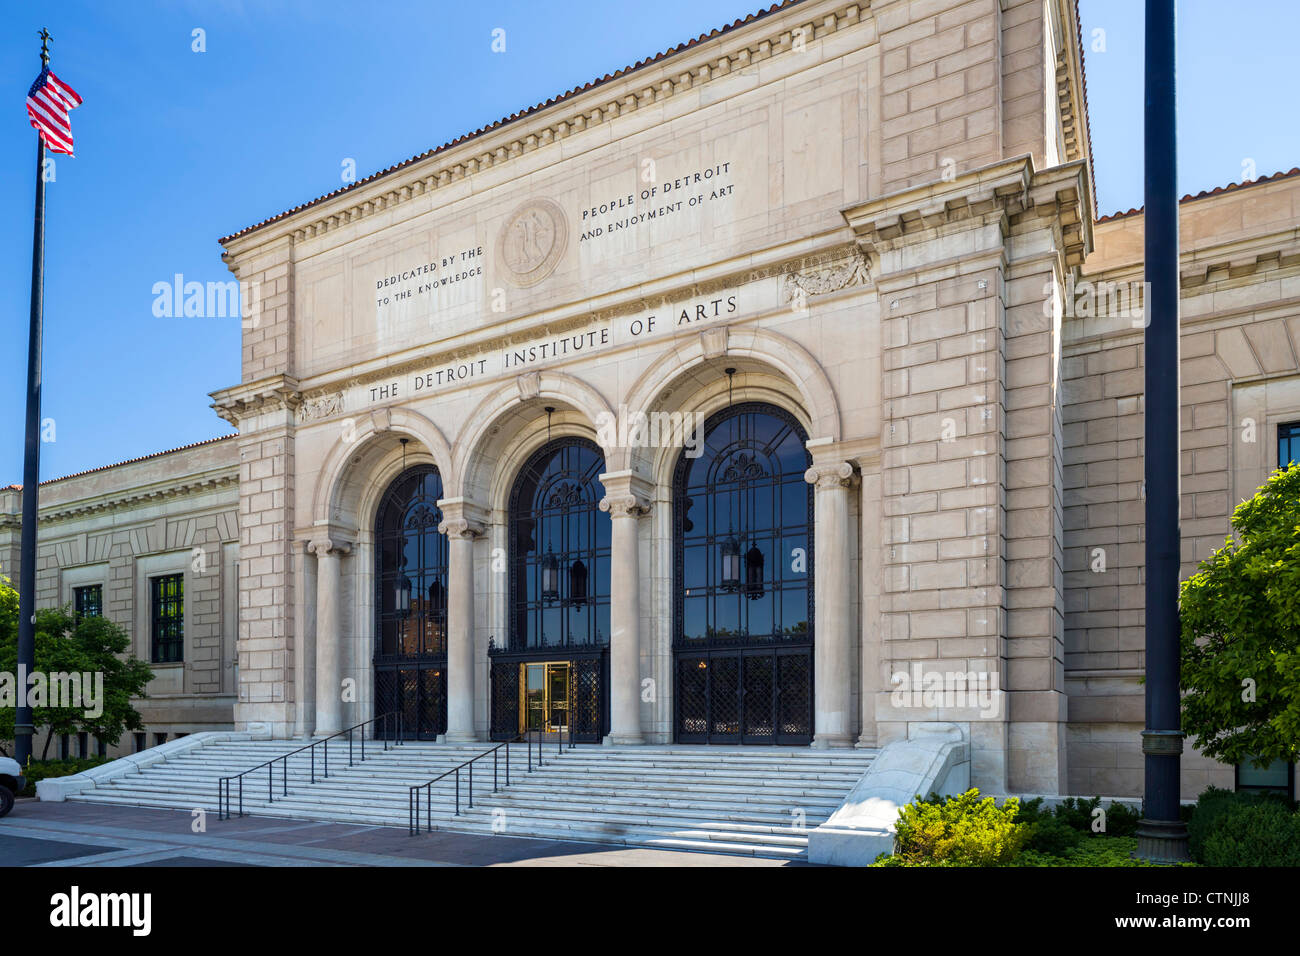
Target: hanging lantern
[(403, 596), (550, 576), (731, 563), (578, 583), (754, 573)]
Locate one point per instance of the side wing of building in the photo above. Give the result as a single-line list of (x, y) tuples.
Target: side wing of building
[(151, 544)]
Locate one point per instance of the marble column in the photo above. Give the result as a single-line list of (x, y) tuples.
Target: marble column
[(304, 653), (329, 638), (461, 524), (625, 500), (833, 634)]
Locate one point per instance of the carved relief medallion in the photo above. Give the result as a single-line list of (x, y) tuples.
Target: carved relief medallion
[(532, 241)]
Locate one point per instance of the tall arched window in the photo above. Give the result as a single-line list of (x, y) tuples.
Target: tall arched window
[(549, 671), (410, 655), (559, 549), (743, 560)]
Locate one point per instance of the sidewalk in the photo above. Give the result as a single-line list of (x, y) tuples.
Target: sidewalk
[(79, 834)]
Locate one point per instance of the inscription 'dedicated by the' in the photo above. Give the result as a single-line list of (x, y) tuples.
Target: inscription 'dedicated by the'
[(441, 271)]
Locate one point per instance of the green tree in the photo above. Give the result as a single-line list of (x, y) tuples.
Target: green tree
[(1241, 633), (66, 644)]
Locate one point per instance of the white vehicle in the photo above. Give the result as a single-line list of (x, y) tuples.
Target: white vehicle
[(11, 781)]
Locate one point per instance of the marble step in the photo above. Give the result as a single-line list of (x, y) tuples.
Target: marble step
[(706, 798)]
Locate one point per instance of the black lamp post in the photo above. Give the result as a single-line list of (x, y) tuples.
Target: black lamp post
[(1162, 836)]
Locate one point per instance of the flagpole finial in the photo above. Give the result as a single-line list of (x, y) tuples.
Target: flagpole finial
[(45, 47)]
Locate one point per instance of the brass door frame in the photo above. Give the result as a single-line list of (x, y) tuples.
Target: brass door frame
[(547, 726)]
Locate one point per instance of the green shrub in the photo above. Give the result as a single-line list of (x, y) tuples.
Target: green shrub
[(1263, 833), (48, 769), (1053, 837), (1122, 820), (1107, 851), (1031, 811), (1077, 813), (1214, 805), (959, 831)]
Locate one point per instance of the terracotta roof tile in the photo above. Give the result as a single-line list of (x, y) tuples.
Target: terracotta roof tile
[(1216, 191), (131, 461)]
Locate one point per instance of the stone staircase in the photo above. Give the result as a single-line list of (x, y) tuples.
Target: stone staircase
[(758, 801)]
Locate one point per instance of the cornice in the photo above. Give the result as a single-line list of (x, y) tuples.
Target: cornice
[(1223, 262), (1011, 191), (136, 497), (687, 70), (241, 402)]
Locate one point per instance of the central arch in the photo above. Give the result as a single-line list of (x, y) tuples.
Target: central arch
[(550, 672)]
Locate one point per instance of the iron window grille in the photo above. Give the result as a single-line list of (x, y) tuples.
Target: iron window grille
[(1288, 444), (167, 602), (743, 582), (744, 500), (1277, 777), (88, 601), (559, 550), (411, 566)]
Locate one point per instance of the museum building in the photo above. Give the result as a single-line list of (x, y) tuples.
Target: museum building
[(709, 403)]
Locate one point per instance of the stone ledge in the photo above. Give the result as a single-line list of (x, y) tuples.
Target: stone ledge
[(58, 789), (935, 758)]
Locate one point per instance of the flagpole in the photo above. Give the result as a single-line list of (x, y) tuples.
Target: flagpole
[(23, 728)]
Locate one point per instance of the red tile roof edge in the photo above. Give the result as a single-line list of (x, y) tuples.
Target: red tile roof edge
[(1206, 193), (131, 461), (1087, 119), (608, 77)]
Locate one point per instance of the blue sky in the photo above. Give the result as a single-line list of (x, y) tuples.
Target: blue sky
[(176, 148)]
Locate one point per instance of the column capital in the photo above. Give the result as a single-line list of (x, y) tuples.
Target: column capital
[(322, 545), (834, 474), (626, 493), (624, 505), (461, 518)]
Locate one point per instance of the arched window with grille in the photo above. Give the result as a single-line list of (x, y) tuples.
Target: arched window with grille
[(743, 581), (410, 655), (549, 668)]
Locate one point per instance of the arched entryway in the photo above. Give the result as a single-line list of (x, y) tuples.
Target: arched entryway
[(410, 652), (743, 582), (549, 670)]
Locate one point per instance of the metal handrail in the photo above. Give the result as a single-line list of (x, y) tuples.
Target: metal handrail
[(559, 744), (223, 784), (413, 792)]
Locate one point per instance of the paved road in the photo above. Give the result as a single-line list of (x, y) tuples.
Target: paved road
[(81, 834)]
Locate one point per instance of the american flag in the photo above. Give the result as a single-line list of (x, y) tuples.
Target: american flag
[(48, 103)]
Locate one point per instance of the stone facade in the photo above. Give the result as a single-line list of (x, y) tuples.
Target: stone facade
[(877, 216), (1240, 380), (117, 527)]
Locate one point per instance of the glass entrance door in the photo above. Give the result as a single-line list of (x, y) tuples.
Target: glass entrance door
[(544, 688)]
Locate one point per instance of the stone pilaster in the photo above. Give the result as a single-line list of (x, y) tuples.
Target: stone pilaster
[(329, 635), (626, 499), (263, 411), (970, 460), (833, 576), (462, 523)]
